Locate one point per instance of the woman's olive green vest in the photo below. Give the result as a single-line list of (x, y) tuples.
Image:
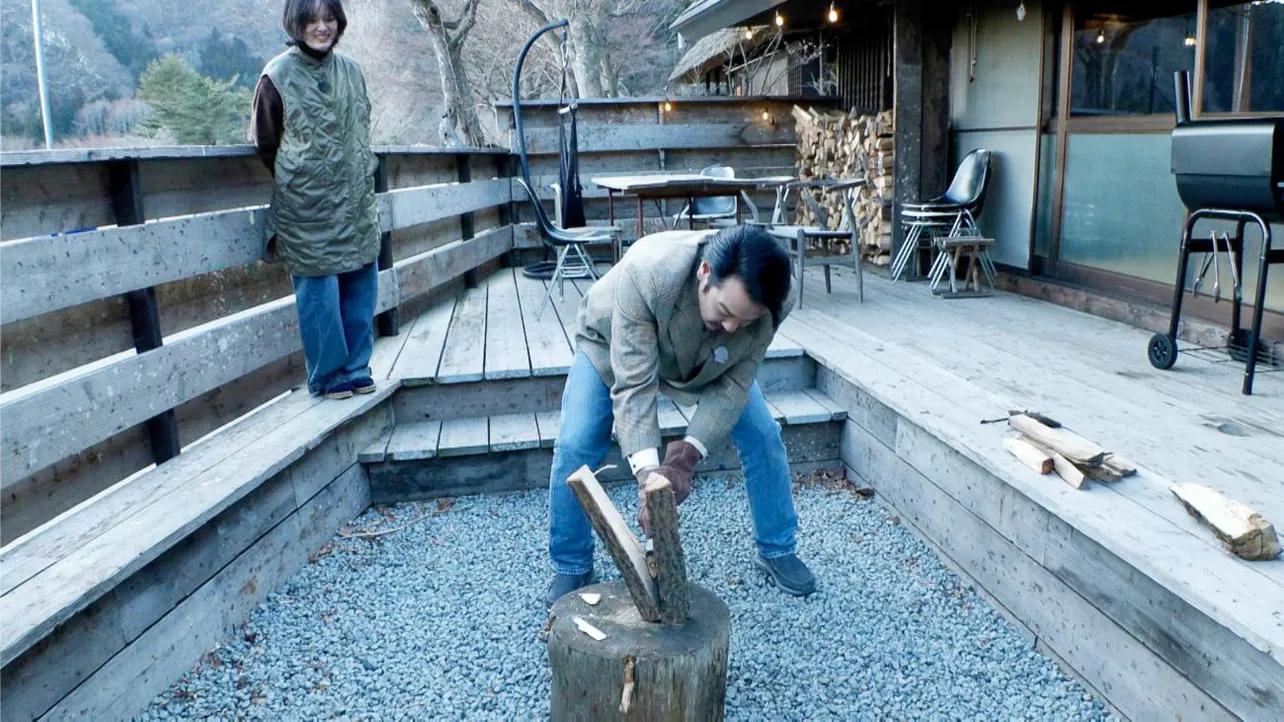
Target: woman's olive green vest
[(323, 205)]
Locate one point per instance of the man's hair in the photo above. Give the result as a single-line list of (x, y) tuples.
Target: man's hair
[(298, 13), (752, 255)]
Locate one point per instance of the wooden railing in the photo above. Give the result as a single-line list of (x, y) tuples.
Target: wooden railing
[(138, 314)]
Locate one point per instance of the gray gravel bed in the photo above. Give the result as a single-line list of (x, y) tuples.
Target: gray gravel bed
[(441, 620)]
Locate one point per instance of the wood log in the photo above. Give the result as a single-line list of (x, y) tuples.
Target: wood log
[(670, 562), (677, 672), (1072, 446), (1243, 531), (619, 541), (1073, 475), (1029, 455), (1122, 466)]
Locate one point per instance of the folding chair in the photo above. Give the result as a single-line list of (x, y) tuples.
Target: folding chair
[(718, 211)]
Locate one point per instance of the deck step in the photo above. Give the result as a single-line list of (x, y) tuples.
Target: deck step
[(501, 433), (512, 452)]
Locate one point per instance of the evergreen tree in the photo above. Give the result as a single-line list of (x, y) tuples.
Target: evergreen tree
[(132, 50), (229, 58), (192, 108)]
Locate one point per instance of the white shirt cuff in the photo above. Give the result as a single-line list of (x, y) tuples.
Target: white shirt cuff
[(704, 453), (644, 458)]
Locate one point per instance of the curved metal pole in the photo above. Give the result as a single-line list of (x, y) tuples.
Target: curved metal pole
[(517, 106)]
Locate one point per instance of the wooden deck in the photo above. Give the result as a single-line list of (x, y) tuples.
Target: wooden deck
[(496, 332), (929, 371)]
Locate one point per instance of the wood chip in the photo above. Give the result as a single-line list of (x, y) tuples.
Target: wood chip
[(589, 629), (591, 598), (1243, 531)]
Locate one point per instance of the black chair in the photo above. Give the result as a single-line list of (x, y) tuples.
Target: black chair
[(950, 215), (572, 260)]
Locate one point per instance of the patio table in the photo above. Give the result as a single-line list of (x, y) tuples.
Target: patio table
[(688, 186)]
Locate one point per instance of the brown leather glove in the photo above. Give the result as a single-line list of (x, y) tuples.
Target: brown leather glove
[(680, 459)]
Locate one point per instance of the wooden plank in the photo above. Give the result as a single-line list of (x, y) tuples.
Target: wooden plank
[(1030, 455), (800, 408), (460, 437), (617, 138), (426, 271), (376, 450), (39, 275), (1243, 531), (672, 422), (836, 411), (426, 339), (506, 356), (514, 432), (57, 417), (550, 424), (1073, 447), (129, 681), (463, 358), (414, 440), (783, 347), (405, 208), (670, 563), (564, 305), (33, 609), (387, 349), (44, 199), (550, 350), (618, 540)]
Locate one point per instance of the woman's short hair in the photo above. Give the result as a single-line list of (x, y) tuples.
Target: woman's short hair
[(751, 254), (298, 13)]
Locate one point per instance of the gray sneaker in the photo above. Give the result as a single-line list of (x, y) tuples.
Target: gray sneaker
[(789, 573), (564, 584)]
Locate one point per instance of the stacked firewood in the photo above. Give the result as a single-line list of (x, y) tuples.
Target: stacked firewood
[(842, 146), (1046, 447)]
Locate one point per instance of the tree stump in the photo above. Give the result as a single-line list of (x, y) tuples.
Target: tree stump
[(640, 670)]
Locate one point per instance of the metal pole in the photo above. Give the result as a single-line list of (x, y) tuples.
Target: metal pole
[(37, 34)]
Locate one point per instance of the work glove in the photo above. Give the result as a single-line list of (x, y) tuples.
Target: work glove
[(680, 459)]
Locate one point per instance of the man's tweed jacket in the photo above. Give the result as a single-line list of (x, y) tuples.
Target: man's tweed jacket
[(640, 325)]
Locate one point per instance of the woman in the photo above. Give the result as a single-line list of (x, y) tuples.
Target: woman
[(311, 124)]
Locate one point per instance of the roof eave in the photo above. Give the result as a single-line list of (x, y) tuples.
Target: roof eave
[(704, 18)]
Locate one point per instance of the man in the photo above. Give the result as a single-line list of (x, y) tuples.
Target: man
[(689, 315)]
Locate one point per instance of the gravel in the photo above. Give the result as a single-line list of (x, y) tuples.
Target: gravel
[(441, 620)]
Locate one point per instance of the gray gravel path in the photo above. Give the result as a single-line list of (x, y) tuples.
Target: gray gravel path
[(441, 619)]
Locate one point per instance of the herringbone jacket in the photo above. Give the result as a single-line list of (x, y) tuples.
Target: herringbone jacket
[(640, 325)]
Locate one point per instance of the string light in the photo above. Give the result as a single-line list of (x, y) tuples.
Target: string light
[(1190, 41), (780, 20), (833, 14), (668, 107), (1021, 12), (766, 116), (748, 33), (1101, 36)]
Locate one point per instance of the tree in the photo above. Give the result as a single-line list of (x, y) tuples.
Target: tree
[(132, 50), (229, 58), (459, 125), (190, 107)]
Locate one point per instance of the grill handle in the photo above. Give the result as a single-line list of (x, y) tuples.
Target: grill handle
[(1181, 96)]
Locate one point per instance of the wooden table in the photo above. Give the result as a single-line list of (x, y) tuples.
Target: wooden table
[(688, 186)]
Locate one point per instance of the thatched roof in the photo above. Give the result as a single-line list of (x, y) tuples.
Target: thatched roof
[(713, 49)]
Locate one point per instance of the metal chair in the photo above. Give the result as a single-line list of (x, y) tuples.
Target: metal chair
[(710, 210), (949, 215), (572, 260), (849, 228)]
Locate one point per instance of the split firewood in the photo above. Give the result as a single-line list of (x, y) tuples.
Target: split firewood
[(618, 540), (1102, 473), (1119, 466), (1073, 475), (1243, 531), (1073, 447), (669, 561), (1029, 455)]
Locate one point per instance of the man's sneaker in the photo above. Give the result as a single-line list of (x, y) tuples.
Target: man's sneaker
[(363, 385), (789, 573), (564, 584), (340, 390)]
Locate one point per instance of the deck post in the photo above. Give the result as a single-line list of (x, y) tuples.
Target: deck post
[(463, 163), (387, 323), (921, 69), (144, 314)]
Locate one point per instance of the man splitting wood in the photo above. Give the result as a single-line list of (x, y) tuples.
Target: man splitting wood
[(690, 315)]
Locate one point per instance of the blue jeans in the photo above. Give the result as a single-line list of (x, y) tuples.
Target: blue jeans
[(585, 439), (336, 320)]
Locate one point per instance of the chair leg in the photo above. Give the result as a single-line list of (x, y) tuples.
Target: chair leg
[(860, 273), (829, 288), (802, 264)]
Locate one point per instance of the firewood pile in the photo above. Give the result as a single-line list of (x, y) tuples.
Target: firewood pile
[(849, 145)]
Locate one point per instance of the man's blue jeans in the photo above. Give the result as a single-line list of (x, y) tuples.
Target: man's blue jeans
[(336, 320), (585, 439)]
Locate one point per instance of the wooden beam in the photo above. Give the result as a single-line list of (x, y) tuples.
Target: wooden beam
[(597, 138), (619, 540), (1243, 531), (405, 208), (424, 272), (387, 323), (670, 563)]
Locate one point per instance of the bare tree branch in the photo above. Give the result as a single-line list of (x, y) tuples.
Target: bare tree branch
[(466, 22)]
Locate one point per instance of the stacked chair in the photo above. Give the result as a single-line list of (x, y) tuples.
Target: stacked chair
[(947, 221)]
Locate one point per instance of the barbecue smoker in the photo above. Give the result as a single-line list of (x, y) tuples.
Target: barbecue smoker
[(1226, 170)]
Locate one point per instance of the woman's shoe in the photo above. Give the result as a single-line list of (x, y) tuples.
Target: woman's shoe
[(340, 390)]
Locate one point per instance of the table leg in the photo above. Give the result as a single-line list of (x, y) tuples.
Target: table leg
[(639, 216), (610, 207), (691, 214)]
